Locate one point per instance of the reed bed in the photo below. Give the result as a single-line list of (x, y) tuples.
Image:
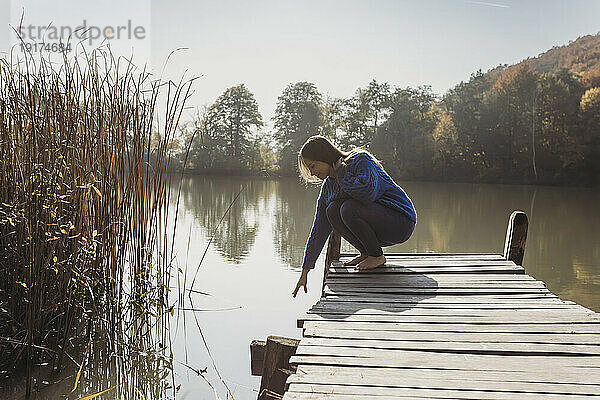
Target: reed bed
[(85, 259)]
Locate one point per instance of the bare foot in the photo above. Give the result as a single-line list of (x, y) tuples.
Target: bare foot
[(371, 262), (356, 260)]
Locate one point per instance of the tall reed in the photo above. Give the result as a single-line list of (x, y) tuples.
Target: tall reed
[(83, 208)]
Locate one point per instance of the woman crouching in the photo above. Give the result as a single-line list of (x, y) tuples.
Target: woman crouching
[(358, 199)]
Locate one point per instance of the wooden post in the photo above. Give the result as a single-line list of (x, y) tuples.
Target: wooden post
[(276, 366), (257, 357), (333, 254), (516, 235)]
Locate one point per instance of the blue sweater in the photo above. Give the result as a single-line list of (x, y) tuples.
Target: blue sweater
[(364, 180)]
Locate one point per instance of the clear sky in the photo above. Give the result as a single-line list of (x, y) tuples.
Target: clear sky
[(342, 45), (338, 45)]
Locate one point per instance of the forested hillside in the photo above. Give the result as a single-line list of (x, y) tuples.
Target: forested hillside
[(581, 56), (534, 122)]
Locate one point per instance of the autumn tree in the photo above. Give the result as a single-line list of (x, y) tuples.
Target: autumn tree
[(512, 102), (589, 107), (447, 154), (557, 134)]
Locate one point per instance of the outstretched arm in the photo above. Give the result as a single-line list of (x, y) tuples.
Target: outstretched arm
[(318, 236), (319, 233)]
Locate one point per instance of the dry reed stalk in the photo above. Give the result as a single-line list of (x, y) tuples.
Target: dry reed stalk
[(84, 212)]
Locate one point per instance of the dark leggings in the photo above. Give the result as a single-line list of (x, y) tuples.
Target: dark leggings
[(368, 227)]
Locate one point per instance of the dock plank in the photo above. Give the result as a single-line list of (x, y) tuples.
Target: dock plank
[(440, 360), (357, 290), (397, 306), (440, 298), (496, 269), (397, 374), (445, 262), (447, 381), (410, 326), (437, 394), (541, 313), (451, 346), (388, 391), (492, 318), (449, 336), (428, 275)]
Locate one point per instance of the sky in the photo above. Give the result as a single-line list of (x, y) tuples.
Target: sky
[(342, 45), (338, 45)]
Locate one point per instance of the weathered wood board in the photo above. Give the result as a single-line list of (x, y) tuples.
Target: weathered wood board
[(469, 326)]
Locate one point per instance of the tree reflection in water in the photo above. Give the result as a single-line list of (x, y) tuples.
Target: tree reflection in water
[(563, 246)]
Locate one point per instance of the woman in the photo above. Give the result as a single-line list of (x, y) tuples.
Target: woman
[(358, 199)]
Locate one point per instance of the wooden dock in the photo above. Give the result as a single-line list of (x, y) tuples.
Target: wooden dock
[(454, 326)]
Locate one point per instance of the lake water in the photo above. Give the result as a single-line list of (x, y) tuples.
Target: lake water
[(253, 251), (254, 259)]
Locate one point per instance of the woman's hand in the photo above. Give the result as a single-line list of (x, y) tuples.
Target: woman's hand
[(301, 282)]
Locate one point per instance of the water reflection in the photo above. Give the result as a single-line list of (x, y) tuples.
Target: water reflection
[(228, 209), (563, 246), (126, 355), (292, 219)]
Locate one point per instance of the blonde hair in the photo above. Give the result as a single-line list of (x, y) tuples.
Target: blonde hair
[(319, 148)]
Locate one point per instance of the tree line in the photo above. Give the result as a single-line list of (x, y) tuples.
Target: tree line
[(508, 125)]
